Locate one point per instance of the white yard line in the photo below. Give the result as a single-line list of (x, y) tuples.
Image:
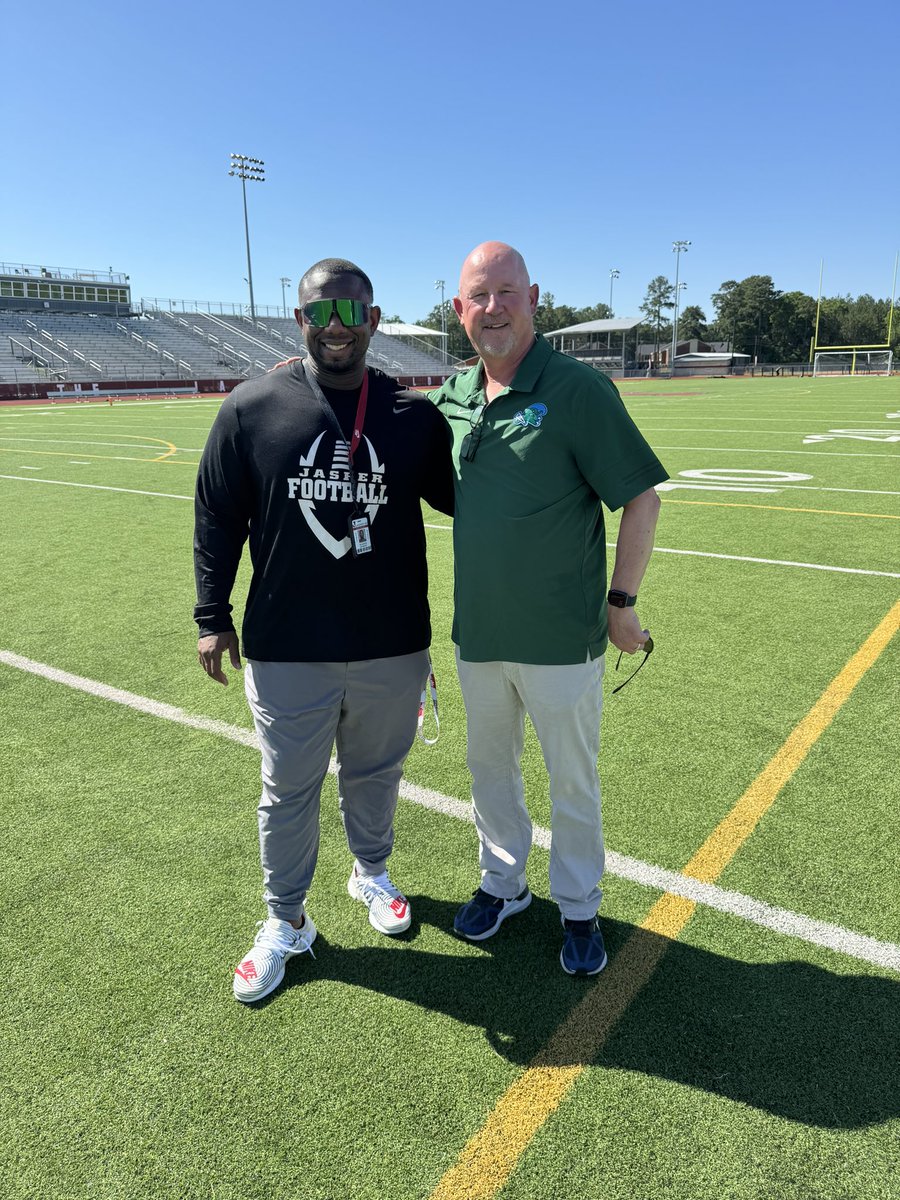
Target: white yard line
[(814, 414), (98, 487), (806, 929), (808, 487), (763, 452), (772, 562), (76, 442), (645, 428), (66, 409), (769, 562)]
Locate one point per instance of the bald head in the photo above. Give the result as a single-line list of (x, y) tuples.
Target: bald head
[(496, 304), (491, 255)]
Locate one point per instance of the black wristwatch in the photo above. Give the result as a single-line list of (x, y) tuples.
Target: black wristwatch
[(621, 599)]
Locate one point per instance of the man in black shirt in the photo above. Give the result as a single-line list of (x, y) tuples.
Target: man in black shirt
[(321, 465)]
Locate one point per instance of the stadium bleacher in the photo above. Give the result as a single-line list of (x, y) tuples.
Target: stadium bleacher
[(161, 345), (67, 326)]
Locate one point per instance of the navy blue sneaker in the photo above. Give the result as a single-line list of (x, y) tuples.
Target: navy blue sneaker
[(482, 916), (583, 952)]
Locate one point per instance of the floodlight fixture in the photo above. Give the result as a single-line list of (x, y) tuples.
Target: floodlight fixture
[(285, 282), (613, 276)]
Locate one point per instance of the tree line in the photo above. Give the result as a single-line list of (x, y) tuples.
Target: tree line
[(751, 315)]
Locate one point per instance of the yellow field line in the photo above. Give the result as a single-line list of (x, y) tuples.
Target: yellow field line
[(828, 512), (489, 1158), (709, 861)]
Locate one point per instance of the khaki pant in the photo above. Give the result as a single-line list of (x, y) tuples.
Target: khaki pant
[(564, 704)]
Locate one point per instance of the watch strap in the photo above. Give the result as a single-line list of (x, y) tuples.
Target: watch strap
[(621, 599)]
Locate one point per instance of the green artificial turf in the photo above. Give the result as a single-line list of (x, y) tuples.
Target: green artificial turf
[(751, 1065)]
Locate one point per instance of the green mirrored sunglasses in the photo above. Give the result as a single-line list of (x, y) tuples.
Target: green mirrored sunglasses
[(350, 312)]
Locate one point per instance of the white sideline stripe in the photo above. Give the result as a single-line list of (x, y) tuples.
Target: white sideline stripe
[(769, 562), (808, 487), (815, 413), (97, 487), (76, 442), (144, 704), (780, 920), (763, 451), (62, 408), (750, 432), (773, 562)]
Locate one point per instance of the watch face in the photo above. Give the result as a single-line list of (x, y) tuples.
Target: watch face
[(620, 599)]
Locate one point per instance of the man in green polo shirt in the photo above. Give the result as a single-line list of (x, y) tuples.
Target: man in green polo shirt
[(540, 440)]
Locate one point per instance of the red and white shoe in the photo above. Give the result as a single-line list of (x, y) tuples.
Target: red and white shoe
[(389, 910), (263, 969)]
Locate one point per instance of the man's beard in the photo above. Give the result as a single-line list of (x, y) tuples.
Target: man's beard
[(326, 365), (496, 343)]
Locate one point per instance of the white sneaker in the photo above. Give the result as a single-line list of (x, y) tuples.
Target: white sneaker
[(389, 910), (263, 969)]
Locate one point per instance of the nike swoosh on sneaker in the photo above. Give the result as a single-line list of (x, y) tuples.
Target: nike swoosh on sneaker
[(404, 408)]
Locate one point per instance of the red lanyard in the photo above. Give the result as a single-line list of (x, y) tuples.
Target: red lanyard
[(359, 419)]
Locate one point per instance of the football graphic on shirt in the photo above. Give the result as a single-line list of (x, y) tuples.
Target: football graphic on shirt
[(324, 489)]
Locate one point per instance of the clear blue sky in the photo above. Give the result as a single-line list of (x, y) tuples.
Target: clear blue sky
[(589, 135)]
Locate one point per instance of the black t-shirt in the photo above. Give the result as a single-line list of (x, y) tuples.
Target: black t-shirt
[(275, 471)]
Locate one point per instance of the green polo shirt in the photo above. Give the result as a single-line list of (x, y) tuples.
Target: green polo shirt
[(528, 535)]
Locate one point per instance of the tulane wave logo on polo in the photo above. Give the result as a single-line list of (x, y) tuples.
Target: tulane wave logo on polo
[(530, 416)]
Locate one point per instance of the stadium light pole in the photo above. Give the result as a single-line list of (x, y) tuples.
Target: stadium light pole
[(613, 276), (440, 283), (678, 289), (678, 248), (284, 283), (253, 169)]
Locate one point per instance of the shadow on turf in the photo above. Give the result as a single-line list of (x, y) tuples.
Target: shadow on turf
[(789, 1038)]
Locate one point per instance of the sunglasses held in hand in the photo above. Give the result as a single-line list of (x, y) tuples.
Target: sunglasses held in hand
[(648, 650)]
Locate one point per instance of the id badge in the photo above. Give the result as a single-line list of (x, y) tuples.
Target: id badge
[(360, 536)]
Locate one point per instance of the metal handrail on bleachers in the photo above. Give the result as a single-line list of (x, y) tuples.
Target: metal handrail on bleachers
[(34, 356), (210, 338), (253, 340), (279, 337), (146, 344), (101, 332)]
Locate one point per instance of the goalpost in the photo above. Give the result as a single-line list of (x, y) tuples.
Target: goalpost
[(853, 360), (875, 359)]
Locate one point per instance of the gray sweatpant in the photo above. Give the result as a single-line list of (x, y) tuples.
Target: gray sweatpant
[(368, 711)]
